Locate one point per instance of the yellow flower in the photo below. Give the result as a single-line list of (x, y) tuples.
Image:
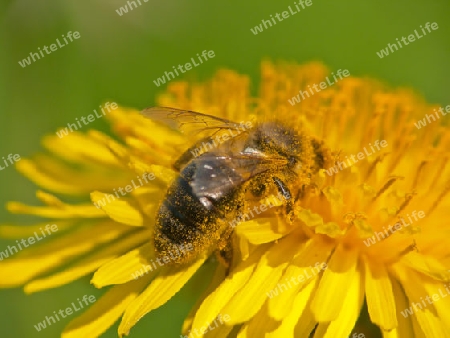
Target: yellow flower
[(369, 227)]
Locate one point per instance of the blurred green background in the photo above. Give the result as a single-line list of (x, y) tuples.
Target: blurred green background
[(118, 57)]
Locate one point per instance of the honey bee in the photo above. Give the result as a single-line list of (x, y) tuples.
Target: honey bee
[(212, 184)]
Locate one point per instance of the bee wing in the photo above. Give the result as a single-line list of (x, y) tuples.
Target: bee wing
[(187, 121), (217, 175)]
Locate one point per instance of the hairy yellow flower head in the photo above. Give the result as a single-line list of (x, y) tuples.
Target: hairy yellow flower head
[(370, 227)]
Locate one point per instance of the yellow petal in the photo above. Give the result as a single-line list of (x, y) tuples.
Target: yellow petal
[(23, 231), (148, 199), (343, 325), (261, 325), (87, 264), (214, 303), (79, 147), (300, 302), (130, 122), (164, 174), (49, 199), (40, 258), (380, 299), (307, 322), (247, 301), (217, 329), (405, 325), (243, 246), (65, 211), (52, 174), (130, 266), (424, 313), (219, 276), (121, 210), (425, 264), (312, 254), (263, 230), (170, 280), (145, 152), (439, 293), (341, 269), (105, 311), (418, 331), (321, 330), (114, 146)]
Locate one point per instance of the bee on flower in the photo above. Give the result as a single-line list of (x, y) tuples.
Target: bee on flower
[(319, 219)]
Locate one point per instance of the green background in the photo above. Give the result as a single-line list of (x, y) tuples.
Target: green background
[(118, 57)]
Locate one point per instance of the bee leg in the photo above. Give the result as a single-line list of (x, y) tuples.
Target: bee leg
[(225, 248), (286, 194), (258, 189), (225, 256)]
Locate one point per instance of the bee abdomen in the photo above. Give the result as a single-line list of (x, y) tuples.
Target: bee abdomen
[(182, 218)]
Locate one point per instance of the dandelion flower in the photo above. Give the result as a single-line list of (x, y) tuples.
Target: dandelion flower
[(369, 229)]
